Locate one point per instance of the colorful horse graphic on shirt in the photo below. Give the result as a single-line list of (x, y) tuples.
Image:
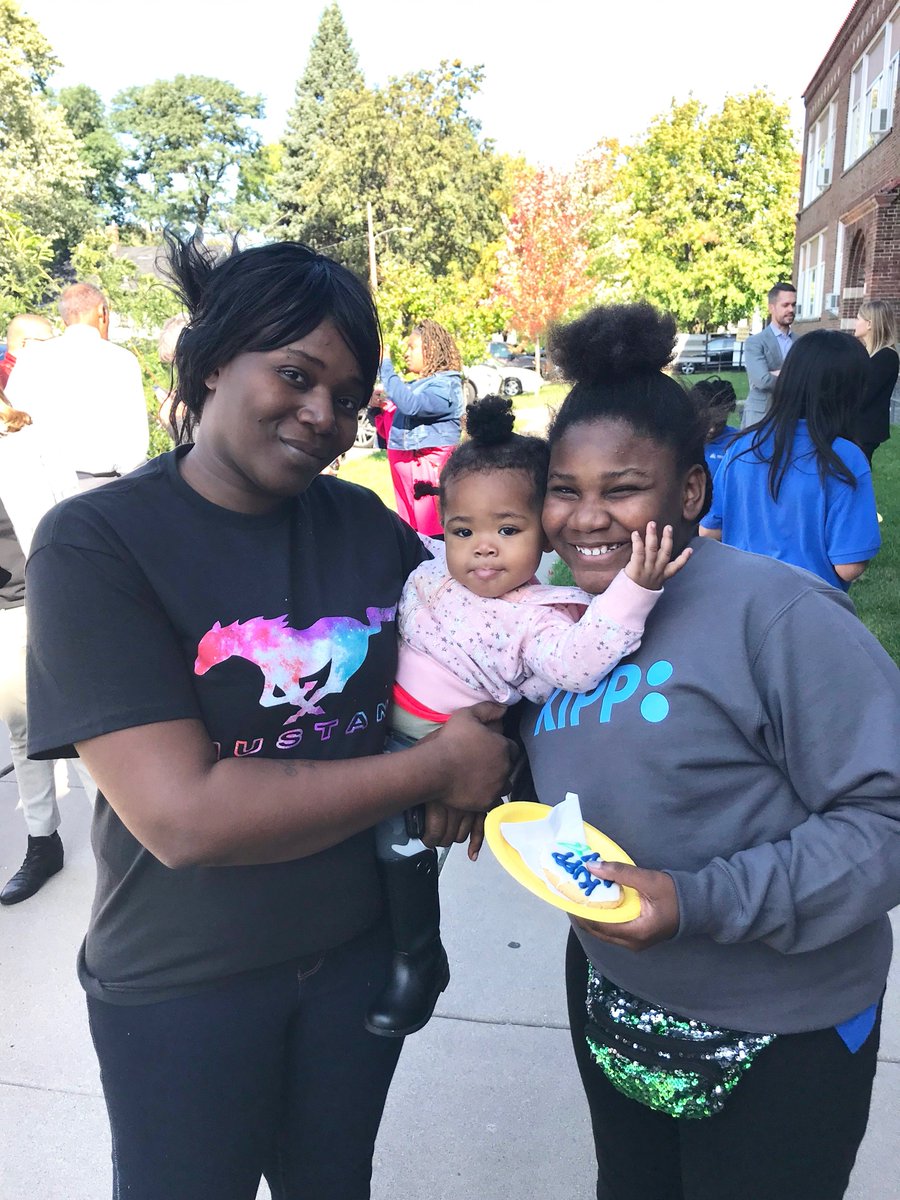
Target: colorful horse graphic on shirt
[(299, 666)]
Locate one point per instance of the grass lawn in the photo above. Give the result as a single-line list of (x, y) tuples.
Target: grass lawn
[(876, 595), (369, 468)]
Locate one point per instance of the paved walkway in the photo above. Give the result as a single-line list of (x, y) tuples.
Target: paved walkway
[(485, 1102)]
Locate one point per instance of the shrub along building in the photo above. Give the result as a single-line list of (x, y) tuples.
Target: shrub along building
[(848, 228)]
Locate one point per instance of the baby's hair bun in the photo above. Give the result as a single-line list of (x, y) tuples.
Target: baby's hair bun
[(490, 421), (616, 341)]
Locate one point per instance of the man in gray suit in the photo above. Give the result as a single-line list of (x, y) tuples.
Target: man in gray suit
[(765, 352)]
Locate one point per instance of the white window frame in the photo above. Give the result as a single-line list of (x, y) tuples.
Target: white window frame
[(811, 278), (880, 91), (838, 258), (820, 153)]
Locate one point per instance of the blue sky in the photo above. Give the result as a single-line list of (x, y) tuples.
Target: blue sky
[(560, 74)]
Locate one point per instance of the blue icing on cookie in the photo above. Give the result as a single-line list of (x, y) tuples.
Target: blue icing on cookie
[(573, 864)]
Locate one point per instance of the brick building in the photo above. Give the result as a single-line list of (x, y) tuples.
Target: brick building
[(848, 227)]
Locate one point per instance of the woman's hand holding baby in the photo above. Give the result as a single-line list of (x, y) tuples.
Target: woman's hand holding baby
[(479, 760), (476, 758), (651, 563)]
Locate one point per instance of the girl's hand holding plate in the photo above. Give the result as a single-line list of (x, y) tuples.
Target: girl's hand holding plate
[(659, 907)]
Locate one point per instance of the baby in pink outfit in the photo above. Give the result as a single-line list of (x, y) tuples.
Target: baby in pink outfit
[(475, 625)]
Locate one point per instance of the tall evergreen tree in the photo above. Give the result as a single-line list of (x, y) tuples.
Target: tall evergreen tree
[(332, 67), (413, 152)]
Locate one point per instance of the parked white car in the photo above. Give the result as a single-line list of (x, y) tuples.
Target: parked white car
[(494, 379)]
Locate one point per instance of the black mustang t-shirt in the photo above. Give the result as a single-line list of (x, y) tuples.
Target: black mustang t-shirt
[(147, 603)]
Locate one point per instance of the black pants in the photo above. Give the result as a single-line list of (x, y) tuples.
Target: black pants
[(273, 1074), (789, 1131)]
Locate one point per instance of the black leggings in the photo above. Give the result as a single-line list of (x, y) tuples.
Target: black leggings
[(789, 1131), (272, 1074)]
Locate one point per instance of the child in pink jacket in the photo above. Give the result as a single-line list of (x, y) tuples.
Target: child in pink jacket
[(475, 625)]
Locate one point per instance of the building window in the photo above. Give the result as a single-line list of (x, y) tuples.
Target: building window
[(811, 287), (820, 154), (856, 263), (873, 86)]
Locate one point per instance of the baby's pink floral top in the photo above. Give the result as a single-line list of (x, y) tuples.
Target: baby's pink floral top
[(524, 644)]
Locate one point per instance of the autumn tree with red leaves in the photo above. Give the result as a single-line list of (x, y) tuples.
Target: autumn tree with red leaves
[(543, 262)]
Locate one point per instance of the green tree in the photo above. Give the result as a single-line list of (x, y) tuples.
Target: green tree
[(42, 178), (99, 148), (332, 67), (464, 302), (185, 139), (608, 231), (25, 260), (415, 154), (712, 200), (255, 206)]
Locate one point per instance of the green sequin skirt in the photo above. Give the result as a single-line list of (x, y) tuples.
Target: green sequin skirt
[(668, 1062)]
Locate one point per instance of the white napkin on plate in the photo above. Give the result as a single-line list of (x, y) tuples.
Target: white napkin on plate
[(561, 832)]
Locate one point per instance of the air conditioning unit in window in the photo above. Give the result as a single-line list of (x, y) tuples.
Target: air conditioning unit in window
[(879, 120), (823, 177), (833, 302)]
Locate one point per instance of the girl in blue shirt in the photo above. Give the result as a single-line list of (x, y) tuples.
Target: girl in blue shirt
[(792, 486), (717, 396)]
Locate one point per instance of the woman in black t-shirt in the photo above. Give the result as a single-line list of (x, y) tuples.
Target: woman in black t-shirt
[(215, 634), (876, 327)]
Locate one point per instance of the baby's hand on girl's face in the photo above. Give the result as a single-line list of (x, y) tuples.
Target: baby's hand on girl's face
[(651, 562)]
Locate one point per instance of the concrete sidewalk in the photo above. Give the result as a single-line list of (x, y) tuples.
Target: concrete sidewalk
[(485, 1102)]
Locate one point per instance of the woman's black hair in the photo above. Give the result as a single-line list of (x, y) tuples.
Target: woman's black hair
[(614, 356), (822, 382), (492, 446), (256, 300)]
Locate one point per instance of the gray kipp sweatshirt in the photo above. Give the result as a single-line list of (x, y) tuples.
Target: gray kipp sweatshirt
[(751, 748)]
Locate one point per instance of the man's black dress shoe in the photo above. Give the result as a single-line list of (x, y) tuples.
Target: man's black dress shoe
[(42, 860)]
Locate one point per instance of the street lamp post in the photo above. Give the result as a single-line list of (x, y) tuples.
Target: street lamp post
[(371, 236), (373, 263)]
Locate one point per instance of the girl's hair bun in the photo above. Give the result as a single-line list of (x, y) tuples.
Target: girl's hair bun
[(615, 341), (490, 421)]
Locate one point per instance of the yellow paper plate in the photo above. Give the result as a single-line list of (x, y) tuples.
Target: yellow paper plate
[(511, 861)]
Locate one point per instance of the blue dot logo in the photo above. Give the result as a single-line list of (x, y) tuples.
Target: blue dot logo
[(655, 707)]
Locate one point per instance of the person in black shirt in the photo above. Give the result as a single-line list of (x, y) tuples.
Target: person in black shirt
[(876, 327), (215, 633)]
